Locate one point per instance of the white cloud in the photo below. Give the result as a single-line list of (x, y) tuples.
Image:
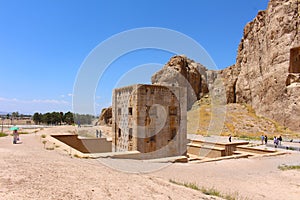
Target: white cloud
[(66, 95), (34, 105), (49, 101)]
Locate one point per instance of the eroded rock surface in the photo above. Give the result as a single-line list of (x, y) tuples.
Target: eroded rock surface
[(265, 55), (184, 72), (266, 74), (105, 117)]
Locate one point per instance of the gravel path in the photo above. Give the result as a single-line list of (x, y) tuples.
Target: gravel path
[(252, 178), (28, 171)]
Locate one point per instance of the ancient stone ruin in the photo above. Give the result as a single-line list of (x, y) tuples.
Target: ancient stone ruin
[(294, 60), (150, 119), (294, 69)]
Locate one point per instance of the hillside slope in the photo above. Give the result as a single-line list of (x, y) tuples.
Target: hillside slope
[(240, 120)]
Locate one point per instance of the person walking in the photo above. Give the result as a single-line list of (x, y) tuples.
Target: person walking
[(15, 136), (279, 140), (229, 138), (262, 137), (266, 139), (275, 141)]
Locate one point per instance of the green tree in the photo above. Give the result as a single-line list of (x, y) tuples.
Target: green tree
[(68, 118), (15, 114), (46, 118), (55, 118), (37, 118), (61, 117)]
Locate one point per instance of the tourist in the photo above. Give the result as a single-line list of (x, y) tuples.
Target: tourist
[(279, 140), (275, 141), (15, 136), (262, 137), (100, 133), (97, 133), (229, 138), (266, 139)]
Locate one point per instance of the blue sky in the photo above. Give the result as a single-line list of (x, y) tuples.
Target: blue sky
[(44, 43)]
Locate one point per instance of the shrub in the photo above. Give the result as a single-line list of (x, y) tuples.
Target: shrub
[(3, 134), (289, 167), (208, 191), (22, 132)]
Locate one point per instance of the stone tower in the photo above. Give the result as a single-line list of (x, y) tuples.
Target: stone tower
[(150, 119)]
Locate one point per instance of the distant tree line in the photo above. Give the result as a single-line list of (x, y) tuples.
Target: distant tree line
[(15, 115), (59, 118)]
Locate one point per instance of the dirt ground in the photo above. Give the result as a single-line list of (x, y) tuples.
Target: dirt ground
[(28, 171), (252, 178)]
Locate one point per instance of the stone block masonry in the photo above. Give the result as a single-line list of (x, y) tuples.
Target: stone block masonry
[(150, 119)]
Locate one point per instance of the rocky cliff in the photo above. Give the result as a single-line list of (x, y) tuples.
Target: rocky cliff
[(266, 74), (184, 72), (105, 117), (267, 71)]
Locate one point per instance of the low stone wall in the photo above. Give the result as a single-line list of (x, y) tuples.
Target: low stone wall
[(287, 147), (212, 149), (136, 155), (206, 151), (253, 150), (86, 145)]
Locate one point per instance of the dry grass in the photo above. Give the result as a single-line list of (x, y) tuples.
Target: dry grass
[(241, 121), (3, 134), (21, 132), (230, 127), (44, 142), (289, 167), (208, 191)]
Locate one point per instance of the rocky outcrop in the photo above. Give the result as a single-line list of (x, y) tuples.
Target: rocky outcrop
[(229, 77), (261, 75), (266, 74), (184, 72), (105, 117)]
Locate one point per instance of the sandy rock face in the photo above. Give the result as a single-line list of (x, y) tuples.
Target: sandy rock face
[(229, 77), (106, 116), (261, 75), (184, 72)]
